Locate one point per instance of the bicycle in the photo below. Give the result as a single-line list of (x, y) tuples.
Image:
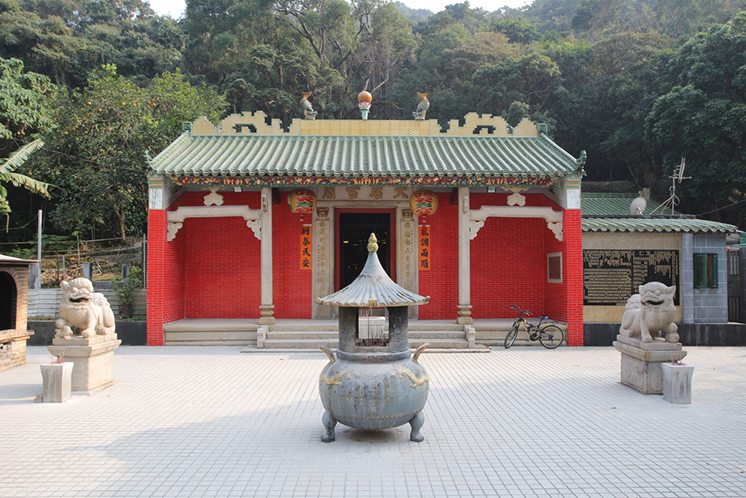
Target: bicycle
[(548, 334)]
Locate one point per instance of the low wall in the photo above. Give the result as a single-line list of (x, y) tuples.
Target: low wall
[(131, 332), (691, 334), (44, 303)]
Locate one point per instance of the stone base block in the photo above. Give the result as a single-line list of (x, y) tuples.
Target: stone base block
[(641, 362), (13, 348), (93, 358), (677, 383), (56, 381)]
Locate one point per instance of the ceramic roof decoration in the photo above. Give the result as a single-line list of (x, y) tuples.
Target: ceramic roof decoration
[(373, 287)]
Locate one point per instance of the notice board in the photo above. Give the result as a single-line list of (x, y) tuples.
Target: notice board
[(611, 276)]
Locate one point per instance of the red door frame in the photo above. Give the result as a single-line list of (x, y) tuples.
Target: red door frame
[(392, 239)]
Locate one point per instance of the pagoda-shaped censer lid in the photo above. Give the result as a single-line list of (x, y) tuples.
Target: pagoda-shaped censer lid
[(373, 287)]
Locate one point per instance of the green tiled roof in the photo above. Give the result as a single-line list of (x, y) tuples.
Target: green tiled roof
[(610, 204), (609, 212), (363, 156), (641, 224)]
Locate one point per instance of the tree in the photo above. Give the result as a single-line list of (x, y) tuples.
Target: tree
[(703, 117), (97, 154), (8, 174), (24, 113)]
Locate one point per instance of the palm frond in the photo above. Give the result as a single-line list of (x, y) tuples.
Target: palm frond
[(9, 165), (16, 159)]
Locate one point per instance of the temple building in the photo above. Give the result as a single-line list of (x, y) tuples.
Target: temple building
[(251, 221)]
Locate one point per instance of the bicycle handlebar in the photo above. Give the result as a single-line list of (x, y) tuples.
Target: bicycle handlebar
[(520, 310)]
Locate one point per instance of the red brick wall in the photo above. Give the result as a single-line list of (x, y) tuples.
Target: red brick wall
[(222, 269), (555, 294), (182, 274), (508, 261), (291, 286), (572, 267), (165, 286), (441, 281)]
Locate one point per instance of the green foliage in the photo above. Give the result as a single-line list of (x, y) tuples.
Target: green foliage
[(23, 113), (127, 287), (65, 40), (517, 30), (97, 153), (703, 118), (636, 83)]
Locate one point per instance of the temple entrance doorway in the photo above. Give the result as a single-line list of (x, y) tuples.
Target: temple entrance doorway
[(353, 229), (8, 296)]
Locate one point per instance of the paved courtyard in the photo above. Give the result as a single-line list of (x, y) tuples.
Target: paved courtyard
[(212, 421)]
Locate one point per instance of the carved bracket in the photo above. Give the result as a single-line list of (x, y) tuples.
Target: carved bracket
[(213, 198), (553, 218), (253, 217)]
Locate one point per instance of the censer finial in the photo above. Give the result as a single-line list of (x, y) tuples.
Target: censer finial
[(372, 243)]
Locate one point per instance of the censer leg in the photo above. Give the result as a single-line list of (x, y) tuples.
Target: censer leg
[(329, 423), (416, 423)]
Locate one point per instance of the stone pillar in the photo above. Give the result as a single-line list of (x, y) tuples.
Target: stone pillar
[(406, 253), (323, 262), (266, 309), (464, 259)]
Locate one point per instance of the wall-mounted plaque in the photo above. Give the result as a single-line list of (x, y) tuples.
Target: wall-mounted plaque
[(611, 276)]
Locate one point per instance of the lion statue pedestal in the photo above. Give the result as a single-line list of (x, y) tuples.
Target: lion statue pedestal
[(648, 337), (85, 335)]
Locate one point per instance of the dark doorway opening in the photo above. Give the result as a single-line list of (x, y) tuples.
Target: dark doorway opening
[(8, 297), (353, 230)]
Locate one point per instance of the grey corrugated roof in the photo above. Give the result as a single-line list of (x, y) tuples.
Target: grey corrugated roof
[(363, 156), (373, 287), (687, 225)]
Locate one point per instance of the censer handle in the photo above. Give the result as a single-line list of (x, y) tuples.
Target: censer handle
[(328, 353), (419, 351)]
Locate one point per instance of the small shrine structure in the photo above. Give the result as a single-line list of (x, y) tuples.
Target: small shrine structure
[(251, 220), (13, 306)]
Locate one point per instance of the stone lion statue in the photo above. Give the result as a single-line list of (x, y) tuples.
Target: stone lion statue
[(651, 313), (83, 311)]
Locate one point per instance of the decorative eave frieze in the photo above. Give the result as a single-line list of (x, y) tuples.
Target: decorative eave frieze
[(553, 218), (253, 217)]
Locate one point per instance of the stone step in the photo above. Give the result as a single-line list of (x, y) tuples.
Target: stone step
[(439, 343), (427, 335), (302, 334), (208, 343), (304, 325), (314, 344), (299, 343), (435, 326), (212, 337)]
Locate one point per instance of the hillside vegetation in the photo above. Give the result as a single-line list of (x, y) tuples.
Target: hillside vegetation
[(636, 83)]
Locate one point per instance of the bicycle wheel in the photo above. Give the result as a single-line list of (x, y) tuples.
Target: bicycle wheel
[(510, 338), (551, 336)]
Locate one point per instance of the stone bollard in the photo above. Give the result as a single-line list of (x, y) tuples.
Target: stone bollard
[(677, 383), (56, 382)]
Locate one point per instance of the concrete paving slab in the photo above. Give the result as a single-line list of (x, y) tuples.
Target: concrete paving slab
[(210, 421)]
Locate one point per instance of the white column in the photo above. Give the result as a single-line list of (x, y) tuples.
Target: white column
[(464, 259), (266, 308)]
